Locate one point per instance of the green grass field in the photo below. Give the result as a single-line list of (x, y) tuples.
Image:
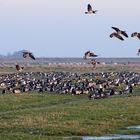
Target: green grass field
[(51, 116), (55, 116)]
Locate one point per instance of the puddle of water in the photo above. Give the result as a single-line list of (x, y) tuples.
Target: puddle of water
[(111, 137), (134, 127), (115, 136)]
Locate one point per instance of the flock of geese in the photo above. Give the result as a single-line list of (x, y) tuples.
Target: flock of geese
[(118, 33)]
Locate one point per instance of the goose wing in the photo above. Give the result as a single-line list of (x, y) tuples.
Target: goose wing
[(111, 35), (116, 29), (116, 35), (124, 34), (86, 53), (138, 52), (93, 55), (31, 56), (138, 35)]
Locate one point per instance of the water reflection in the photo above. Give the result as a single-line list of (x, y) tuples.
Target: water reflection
[(111, 137), (134, 127)]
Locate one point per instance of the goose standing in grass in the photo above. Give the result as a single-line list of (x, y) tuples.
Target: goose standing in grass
[(89, 54), (18, 68), (94, 62), (135, 34), (90, 10), (28, 54)]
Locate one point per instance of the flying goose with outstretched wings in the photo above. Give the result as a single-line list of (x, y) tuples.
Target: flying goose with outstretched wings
[(27, 54), (120, 32), (90, 10), (89, 54)]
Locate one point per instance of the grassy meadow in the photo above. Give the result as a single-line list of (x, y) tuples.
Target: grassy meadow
[(51, 116), (8, 68), (56, 116)]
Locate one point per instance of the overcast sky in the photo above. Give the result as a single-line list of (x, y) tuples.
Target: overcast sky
[(60, 28)]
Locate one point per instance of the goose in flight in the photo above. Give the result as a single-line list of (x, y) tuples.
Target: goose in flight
[(138, 52), (135, 34), (28, 54), (89, 54), (116, 35), (90, 10), (120, 32)]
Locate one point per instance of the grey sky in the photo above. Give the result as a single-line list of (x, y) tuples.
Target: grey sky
[(61, 29)]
